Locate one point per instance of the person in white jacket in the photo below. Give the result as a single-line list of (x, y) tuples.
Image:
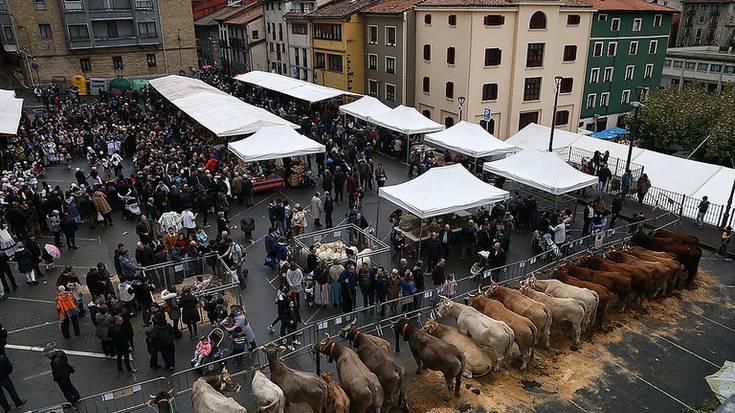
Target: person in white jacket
[(317, 207), (295, 279)]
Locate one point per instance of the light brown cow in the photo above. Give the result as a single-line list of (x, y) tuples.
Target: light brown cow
[(477, 362), (555, 288), (563, 310), (337, 400), (513, 300), (526, 333), (207, 399)]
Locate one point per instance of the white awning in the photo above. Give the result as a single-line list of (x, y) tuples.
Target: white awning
[(273, 142), (5, 93), (297, 88), (537, 136), (221, 113), (364, 108), (442, 190), (406, 120), (469, 139), (683, 176), (10, 112), (542, 170)]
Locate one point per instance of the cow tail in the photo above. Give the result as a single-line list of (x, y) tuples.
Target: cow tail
[(512, 338), (547, 326), (593, 316)]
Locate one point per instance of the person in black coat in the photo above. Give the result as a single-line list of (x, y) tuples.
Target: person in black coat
[(432, 248), (61, 371), (189, 311), (36, 253), (69, 227), (446, 237), (6, 368), (484, 238), (144, 254), (160, 338), (6, 274), (121, 336), (3, 338), (328, 209), (437, 274)]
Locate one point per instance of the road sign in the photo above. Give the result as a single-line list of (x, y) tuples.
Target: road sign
[(487, 114)]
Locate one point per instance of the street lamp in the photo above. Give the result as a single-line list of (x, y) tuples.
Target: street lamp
[(637, 105), (460, 100), (557, 80), (726, 216)]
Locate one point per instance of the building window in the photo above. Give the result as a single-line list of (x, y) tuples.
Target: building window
[(493, 20), (390, 36), (729, 69), (608, 74), (657, 19), (637, 24), (615, 24), (691, 66), (426, 113), (390, 92), (320, 61), (450, 55), (573, 20), (372, 61), (566, 85), (489, 126), (449, 90), (570, 53), (143, 4), (591, 98), (150, 59), (535, 55), (426, 84), (493, 57), (527, 118), (532, 89), (301, 28), (373, 34), (327, 31), (602, 17), (449, 121), (595, 75), (452, 20), (78, 32), (427, 19), (427, 52), (653, 47), (390, 65), (644, 94), (489, 91), (562, 118), (612, 49), (45, 30), (715, 68), (255, 35), (117, 63), (667, 63), (648, 72), (335, 63), (604, 99), (597, 49), (147, 29), (39, 4), (629, 72), (85, 65), (633, 48), (538, 21), (678, 64), (373, 88), (625, 96)]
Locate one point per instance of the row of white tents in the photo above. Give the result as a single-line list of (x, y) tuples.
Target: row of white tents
[(10, 112)]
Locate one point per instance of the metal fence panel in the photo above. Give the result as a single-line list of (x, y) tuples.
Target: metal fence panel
[(124, 399)]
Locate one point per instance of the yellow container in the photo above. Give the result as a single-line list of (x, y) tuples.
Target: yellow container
[(81, 83)]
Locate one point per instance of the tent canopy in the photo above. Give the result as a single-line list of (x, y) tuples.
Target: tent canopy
[(4, 93), (676, 174), (590, 144), (364, 108), (537, 136), (442, 190), (541, 170), (297, 88), (469, 139), (406, 120), (273, 142), (610, 133), (10, 111), (221, 113)]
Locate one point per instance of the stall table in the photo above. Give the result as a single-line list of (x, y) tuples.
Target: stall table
[(271, 182)]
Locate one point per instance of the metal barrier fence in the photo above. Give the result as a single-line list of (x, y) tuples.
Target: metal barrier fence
[(124, 399), (686, 206), (576, 156), (174, 272), (348, 234)]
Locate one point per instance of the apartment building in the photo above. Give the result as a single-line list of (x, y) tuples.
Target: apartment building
[(707, 23), (390, 45), (242, 37), (210, 39), (502, 55), (627, 48), (338, 43), (274, 12), (99, 38), (706, 66)]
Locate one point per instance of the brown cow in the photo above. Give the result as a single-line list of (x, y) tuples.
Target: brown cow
[(603, 294), (683, 238), (526, 334), (658, 273), (641, 282), (619, 284), (337, 400), (687, 254), (513, 300), (679, 273), (563, 311)]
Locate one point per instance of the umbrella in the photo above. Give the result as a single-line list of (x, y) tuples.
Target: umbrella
[(592, 196), (723, 382), (52, 250)]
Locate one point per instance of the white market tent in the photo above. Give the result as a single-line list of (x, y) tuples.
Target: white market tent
[(274, 142), (297, 88), (676, 174), (537, 136), (364, 108), (5, 93), (220, 112), (542, 170), (406, 120), (442, 190), (470, 139), (10, 112)]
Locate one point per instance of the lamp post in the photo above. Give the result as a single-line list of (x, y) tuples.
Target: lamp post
[(637, 105), (460, 100), (178, 37), (726, 216), (557, 80)]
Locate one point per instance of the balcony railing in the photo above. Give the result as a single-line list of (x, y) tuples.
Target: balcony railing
[(73, 6)]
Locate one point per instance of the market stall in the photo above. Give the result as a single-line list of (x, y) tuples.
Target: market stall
[(273, 143), (10, 113), (406, 121), (470, 140), (296, 88), (441, 193), (5, 93), (364, 108)]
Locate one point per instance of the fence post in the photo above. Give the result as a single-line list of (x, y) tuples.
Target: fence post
[(681, 206), (617, 166)]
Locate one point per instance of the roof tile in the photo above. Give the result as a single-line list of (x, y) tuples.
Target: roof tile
[(628, 5), (339, 9), (253, 12), (390, 6)]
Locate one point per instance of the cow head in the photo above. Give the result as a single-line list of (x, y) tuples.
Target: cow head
[(531, 280), (444, 307), (523, 286), (350, 331), (325, 346), (161, 402), (227, 384), (430, 325), (327, 376), (271, 351), (492, 288)]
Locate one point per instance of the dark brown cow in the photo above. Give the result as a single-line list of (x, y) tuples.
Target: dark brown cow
[(619, 284), (687, 254), (640, 280), (683, 238), (679, 273), (659, 274), (604, 295)]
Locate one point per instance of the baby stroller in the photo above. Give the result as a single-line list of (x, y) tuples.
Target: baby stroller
[(307, 180), (544, 243), (216, 337)]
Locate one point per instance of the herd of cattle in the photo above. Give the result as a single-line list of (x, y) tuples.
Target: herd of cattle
[(492, 327)]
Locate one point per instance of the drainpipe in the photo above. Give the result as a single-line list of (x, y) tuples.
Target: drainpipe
[(404, 45), (163, 37)]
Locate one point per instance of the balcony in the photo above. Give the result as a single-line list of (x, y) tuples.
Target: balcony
[(73, 6), (110, 5)]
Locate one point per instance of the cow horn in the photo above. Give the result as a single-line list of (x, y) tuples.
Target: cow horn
[(432, 315), (443, 297), (152, 397)]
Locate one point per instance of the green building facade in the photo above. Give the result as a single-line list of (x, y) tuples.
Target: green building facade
[(626, 56)]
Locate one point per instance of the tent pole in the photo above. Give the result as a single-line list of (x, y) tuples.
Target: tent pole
[(408, 146), (421, 235), (476, 161), (377, 219)]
